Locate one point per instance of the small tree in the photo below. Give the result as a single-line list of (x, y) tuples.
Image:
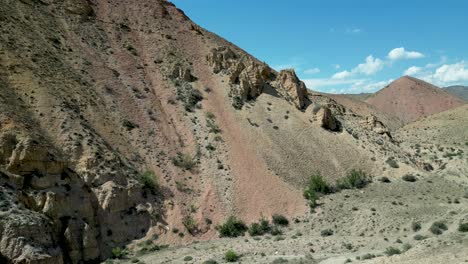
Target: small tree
[(231, 256)]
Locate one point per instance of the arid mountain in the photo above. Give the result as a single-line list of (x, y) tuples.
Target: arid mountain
[(126, 124), (409, 99), (459, 91)]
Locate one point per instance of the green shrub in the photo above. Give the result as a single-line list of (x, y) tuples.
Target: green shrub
[(148, 179), (409, 178), (390, 251), (312, 197), (190, 224), (119, 253), (318, 184), (354, 179), (281, 220), (188, 258), (233, 227), (231, 256), (437, 228), (367, 256), (419, 237), (416, 226), (392, 163), (463, 227), (326, 232), (184, 161), (260, 228), (406, 247), (276, 231)]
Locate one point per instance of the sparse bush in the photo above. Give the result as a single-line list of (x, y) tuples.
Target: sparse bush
[(416, 226), (260, 228), (129, 125), (119, 253), (384, 179), (148, 179), (390, 251), (367, 256), (419, 237), (188, 258), (392, 163), (355, 179), (189, 96), (318, 184), (326, 232), (276, 231), (437, 228), (409, 178), (184, 161), (233, 227), (278, 219), (231, 256), (312, 197), (190, 224), (463, 227), (406, 247)]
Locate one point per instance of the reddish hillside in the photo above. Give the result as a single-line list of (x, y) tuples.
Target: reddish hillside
[(409, 99)]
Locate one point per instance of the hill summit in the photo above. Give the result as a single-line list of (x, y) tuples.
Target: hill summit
[(409, 99)]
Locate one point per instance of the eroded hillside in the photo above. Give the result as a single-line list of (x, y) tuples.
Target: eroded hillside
[(121, 122)]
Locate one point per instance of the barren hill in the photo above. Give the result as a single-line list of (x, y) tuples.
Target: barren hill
[(123, 123), (409, 99)]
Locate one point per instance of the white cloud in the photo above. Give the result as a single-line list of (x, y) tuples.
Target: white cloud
[(413, 70), (450, 73), (342, 75), (336, 66), (319, 83), (371, 66), (401, 53), (312, 71), (369, 86)]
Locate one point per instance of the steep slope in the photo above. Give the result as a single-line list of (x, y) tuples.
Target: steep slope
[(409, 99), (440, 140), (120, 122), (459, 91)]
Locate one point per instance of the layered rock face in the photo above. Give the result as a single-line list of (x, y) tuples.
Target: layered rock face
[(249, 78), (289, 85)]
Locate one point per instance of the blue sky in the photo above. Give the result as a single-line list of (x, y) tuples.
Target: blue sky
[(346, 46)]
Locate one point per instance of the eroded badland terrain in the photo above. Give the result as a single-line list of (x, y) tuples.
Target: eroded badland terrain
[(129, 134)]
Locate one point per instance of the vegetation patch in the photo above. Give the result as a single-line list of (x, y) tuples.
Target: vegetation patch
[(233, 227), (231, 256), (281, 220), (463, 227), (119, 253), (190, 224), (148, 180), (390, 251), (184, 161), (437, 228), (188, 95), (356, 179), (409, 178)]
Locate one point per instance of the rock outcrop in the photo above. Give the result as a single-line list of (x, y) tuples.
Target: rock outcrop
[(288, 84), (325, 118), (248, 78)]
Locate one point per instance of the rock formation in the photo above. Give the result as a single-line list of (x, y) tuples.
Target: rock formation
[(289, 85)]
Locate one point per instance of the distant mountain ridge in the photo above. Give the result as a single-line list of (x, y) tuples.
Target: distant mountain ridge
[(459, 91), (409, 99)]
